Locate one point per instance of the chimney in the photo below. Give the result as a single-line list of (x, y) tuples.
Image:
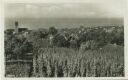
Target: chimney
[(16, 27)]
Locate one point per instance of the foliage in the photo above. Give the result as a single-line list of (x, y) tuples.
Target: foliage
[(64, 62), (52, 30), (17, 70), (95, 58), (60, 41), (17, 46)]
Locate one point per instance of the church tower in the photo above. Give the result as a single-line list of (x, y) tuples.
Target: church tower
[(16, 26)]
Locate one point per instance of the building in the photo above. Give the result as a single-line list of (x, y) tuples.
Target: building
[(16, 27)]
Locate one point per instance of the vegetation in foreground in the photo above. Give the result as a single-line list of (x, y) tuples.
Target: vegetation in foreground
[(63, 62), (82, 52)]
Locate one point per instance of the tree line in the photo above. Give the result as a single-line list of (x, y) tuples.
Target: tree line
[(18, 45)]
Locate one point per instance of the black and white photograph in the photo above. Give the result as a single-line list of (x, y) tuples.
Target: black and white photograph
[(65, 39)]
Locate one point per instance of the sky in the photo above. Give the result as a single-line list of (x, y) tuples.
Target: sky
[(64, 9)]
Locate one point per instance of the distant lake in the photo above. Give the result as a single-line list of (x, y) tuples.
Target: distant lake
[(35, 23)]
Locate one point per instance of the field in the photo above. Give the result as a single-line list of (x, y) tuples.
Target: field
[(65, 62)]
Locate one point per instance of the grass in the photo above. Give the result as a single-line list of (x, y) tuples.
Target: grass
[(66, 62), (17, 70)]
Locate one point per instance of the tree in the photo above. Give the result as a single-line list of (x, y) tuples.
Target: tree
[(21, 47), (60, 41), (52, 31), (16, 46), (9, 45)]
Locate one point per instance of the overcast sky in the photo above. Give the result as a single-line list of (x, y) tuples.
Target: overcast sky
[(65, 9)]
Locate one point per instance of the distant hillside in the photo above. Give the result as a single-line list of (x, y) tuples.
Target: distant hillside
[(34, 23)]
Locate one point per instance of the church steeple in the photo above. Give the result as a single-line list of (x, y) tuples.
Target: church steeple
[(16, 26)]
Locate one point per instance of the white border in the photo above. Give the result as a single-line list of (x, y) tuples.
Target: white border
[(2, 70), (126, 39), (46, 1)]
